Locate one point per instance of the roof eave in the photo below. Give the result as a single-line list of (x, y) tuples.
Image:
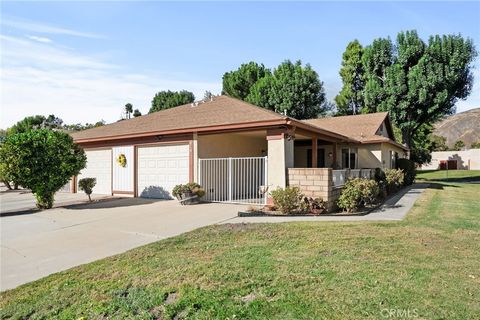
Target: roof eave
[(255, 124)]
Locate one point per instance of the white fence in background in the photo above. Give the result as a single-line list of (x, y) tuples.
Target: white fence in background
[(340, 176), (234, 180)]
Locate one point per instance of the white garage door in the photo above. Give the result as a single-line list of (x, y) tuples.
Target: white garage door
[(160, 169), (99, 166)]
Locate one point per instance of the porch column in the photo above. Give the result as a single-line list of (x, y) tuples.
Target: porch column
[(280, 157), (195, 177), (334, 155), (314, 152)]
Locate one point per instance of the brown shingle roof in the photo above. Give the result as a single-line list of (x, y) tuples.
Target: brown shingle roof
[(223, 110), (362, 127)]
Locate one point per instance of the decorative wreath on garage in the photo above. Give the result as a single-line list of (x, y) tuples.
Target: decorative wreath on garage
[(122, 160)]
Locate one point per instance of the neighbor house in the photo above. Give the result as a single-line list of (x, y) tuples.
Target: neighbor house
[(237, 151)]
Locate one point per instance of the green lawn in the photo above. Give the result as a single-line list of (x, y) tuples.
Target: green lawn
[(450, 175), (425, 266)]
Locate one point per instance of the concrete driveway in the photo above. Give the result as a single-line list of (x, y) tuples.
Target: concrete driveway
[(23, 200), (38, 244)]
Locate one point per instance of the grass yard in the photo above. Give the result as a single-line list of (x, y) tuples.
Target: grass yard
[(426, 266), (450, 175)]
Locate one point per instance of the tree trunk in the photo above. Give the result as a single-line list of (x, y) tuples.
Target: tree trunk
[(89, 198), (7, 184), (407, 140)]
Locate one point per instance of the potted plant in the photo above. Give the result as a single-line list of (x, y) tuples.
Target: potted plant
[(188, 193)]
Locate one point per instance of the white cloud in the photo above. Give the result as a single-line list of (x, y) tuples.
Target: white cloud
[(39, 39), (45, 28), (39, 78)]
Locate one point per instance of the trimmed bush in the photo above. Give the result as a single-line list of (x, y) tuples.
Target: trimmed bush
[(86, 185), (287, 200), (41, 160), (358, 193), (408, 168), (395, 179)]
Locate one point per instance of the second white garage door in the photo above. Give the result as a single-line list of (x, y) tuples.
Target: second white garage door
[(161, 168), (99, 166)]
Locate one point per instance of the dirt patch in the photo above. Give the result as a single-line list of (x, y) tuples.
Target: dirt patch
[(171, 298)]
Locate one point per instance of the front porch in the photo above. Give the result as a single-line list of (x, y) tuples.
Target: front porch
[(244, 166)]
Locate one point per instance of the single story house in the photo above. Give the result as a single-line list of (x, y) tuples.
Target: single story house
[(235, 150)]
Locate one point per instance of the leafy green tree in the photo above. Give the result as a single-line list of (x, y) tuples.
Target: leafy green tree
[(169, 99), (128, 110), (376, 59), (291, 88), (86, 185), (417, 83), (475, 145), (207, 96), (137, 113), (459, 145), (439, 143), (238, 83), (41, 160), (350, 98), (80, 127), (36, 122), (422, 146)]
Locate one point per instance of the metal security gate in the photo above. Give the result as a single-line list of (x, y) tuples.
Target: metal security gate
[(234, 180)]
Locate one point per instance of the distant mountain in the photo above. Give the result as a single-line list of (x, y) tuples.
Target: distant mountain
[(463, 126)]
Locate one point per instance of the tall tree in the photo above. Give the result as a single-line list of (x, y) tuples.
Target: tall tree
[(169, 99), (417, 83), (350, 98), (291, 88), (238, 83), (128, 110), (376, 59)]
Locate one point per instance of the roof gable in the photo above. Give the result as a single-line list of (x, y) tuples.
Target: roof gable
[(362, 127)]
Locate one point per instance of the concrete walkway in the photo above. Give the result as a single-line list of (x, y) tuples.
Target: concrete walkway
[(395, 208)]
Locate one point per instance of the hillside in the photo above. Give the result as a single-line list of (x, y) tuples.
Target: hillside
[(463, 126)]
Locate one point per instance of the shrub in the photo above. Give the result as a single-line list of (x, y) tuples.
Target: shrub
[(42, 161), (314, 206), (395, 179), (382, 182), (358, 193), (287, 200), (408, 168), (86, 185), (191, 187)]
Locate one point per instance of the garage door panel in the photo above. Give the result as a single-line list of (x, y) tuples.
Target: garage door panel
[(161, 168), (99, 166)]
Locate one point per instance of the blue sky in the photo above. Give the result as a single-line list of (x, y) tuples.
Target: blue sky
[(83, 61)]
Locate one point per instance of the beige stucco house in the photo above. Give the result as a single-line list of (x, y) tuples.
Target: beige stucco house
[(235, 150)]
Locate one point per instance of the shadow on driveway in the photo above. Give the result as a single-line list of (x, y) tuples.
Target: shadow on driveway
[(96, 204)]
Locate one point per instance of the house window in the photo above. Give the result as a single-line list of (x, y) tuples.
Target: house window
[(320, 158), (349, 158)]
